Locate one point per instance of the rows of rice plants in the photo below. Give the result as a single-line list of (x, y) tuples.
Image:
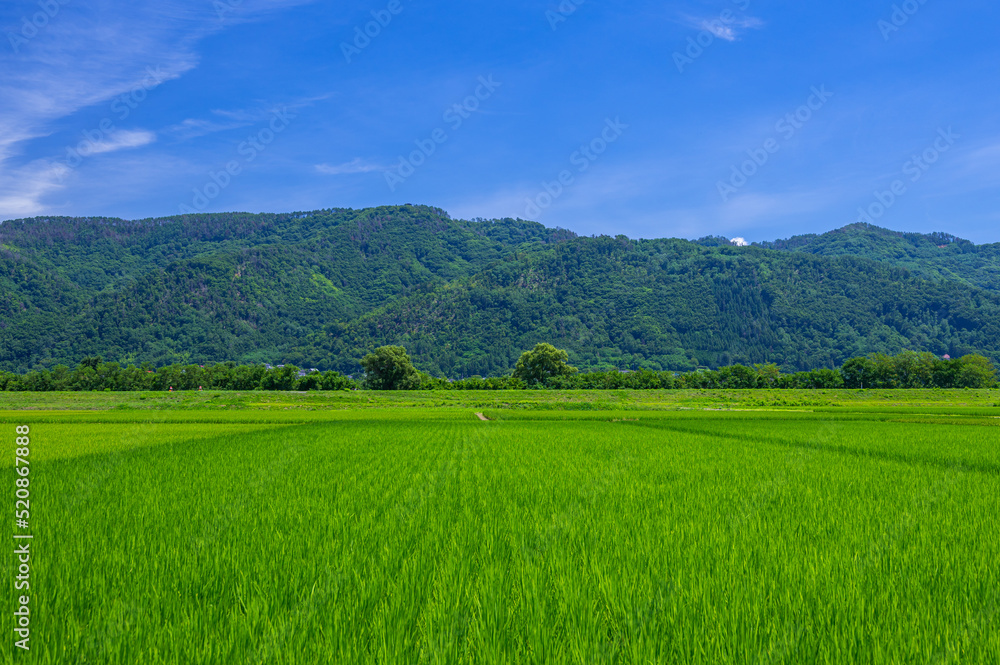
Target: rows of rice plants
[(220, 402), (429, 536)]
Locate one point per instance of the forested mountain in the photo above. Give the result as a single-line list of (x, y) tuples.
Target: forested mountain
[(934, 256), (320, 289)]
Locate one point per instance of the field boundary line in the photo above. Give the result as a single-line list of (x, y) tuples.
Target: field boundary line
[(983, 468)]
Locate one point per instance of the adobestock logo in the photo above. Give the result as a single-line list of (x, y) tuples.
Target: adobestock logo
[(363, 37), (786, 128), (566, 9), (124, 104), (582, 159), (455, 116), (915, 168), (901, 15), (249, 149), (722, 27), (223, 7), (106, 135), (38, 21)]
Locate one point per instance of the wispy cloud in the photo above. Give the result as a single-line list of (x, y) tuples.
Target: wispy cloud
[(121, 140), (195, 127), (719, 30), (22, 189), (972, 171), (356, 165), (85, 57), (983, 163), (227, 119), (727, 30), (752, 208)]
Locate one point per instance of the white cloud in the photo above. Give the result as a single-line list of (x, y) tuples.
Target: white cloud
[(121, 140), (720, 30), (977, 169), (86, 56), (195, 127), (234, 118), (33, 181), (356, 165), (740, 242), (730, 30)]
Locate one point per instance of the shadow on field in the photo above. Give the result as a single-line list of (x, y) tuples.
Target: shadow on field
[(964, 466)]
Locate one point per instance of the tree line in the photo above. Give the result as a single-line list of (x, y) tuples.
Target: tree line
[(543, 367)]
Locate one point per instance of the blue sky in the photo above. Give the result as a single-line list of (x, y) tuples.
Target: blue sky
[(751, 118)]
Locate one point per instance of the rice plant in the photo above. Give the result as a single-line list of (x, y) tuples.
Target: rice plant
[(420, 535)]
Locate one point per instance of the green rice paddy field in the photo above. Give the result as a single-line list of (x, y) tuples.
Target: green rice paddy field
[(702, 527)]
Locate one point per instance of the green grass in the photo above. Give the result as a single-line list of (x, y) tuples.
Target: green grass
[(860, 531), (643, 400)]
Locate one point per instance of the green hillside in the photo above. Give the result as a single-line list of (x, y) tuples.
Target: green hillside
[(674, 305), (320, 289), (934, 255)]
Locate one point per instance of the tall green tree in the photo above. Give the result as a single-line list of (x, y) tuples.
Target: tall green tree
[(859, 373), (390, 368), (975, 371), (281, 378), (542, 363)]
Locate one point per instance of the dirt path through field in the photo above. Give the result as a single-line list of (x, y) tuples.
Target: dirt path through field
[(481, 416)]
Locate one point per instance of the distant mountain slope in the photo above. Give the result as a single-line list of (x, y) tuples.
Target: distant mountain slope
[(96, 253), (320, 289), (225, 286), (934, 256), (675, 305)]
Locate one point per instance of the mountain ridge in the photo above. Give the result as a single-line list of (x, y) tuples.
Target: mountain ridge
[(466, 297)]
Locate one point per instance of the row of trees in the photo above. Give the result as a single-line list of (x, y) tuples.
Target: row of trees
[(94, 374), (919, 370), (390, 368), (545, 366)]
